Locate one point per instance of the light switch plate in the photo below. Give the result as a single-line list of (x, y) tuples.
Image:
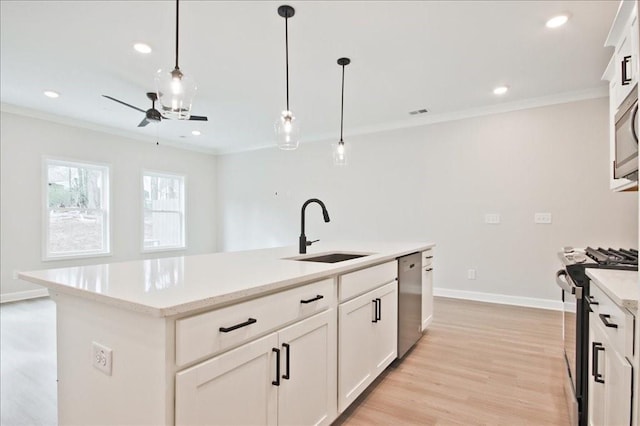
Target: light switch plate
[(492, 218), (544, 218)]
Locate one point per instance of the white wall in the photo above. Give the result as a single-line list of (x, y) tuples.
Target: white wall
[(435, 183), (24, 141)]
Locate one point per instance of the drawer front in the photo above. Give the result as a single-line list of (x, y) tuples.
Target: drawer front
[(617, 322), (427, 258), (212, 332), (359, 282)]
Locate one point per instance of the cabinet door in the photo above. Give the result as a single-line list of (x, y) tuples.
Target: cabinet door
[(368, 340), (308, 381), (385, 331), (427, 296), (234, 388), (617, 376), (596, 389), (354, 347)]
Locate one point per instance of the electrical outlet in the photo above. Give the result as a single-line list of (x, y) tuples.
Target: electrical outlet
[(102, 358), (492, 218), (471, 274), (544, 218)]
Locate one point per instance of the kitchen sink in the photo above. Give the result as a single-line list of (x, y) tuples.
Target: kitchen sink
[(330, 257)]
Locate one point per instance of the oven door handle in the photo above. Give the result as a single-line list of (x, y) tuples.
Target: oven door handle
[(567, 285)]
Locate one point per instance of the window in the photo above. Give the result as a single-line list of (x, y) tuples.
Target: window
[(163, 211), (77, 213)]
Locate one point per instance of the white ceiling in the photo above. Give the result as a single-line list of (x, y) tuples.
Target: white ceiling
[(446, 56)]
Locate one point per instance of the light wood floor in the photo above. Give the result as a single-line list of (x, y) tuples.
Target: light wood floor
[(479, 364)]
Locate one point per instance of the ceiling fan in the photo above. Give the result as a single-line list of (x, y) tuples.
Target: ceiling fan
[(152, 114)]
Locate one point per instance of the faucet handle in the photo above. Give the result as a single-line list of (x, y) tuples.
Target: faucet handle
[(311, 242)]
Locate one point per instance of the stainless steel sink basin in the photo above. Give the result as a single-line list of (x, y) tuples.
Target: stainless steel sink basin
[(330, 257)]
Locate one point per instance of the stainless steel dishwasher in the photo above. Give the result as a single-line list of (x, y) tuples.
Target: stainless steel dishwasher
[(409, 302)]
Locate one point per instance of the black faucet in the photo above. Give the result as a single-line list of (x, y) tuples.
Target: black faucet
[(303, 238)]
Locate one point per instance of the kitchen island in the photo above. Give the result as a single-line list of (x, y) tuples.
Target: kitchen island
[(242, 337)]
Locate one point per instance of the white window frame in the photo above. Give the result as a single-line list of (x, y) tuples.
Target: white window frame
[(183, 213), (106, 203)]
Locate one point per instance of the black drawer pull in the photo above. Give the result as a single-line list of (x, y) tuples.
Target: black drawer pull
[(596, 348), (375, 310), (593, 301), (318, 297), (379, 313), (429, 270), (276, 382), (605, 320), (288, 355), (237, 326), (428, 257), (625, 79)]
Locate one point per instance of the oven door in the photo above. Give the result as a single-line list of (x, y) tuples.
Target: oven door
[(571, 303)]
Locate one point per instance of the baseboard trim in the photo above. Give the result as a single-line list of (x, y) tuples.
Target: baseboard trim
[(23, 295), (502, 299)]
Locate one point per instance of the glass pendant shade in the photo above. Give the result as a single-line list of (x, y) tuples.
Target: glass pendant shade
[(341, 153), (175, 93), (287, 130)]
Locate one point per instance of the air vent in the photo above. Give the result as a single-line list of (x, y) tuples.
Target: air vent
[(419, 111)]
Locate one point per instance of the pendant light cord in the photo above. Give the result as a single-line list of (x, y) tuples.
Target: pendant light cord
[(342, 105), (177, 27), (286, 43)]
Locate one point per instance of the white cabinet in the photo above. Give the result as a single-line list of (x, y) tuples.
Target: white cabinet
[(286, 378), (368, 340), (427, 288), (610, 368), (622, 74), (220, 390), (308, 385)]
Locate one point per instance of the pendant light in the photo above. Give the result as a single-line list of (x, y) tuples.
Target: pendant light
[(287, 128), (175, 90), (339, 149)]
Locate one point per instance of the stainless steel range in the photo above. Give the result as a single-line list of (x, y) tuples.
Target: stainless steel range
[(574, 283)]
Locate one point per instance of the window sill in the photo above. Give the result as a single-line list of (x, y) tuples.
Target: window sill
[(75, 256)]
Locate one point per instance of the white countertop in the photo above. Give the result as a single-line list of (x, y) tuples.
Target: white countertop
[(175, 285), (620, 286)]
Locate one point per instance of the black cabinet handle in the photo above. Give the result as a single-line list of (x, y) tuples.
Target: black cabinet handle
[(318, 297), (593, 301), (625, 61), (287, 349), (429, 270), (428, 257), (379, 313), (605, 320), (596, 347), (276, 382), (237, 326), (375, 310)]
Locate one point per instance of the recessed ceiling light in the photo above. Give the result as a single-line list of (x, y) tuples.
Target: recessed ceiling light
[(142, 48), (501, 90), (51, 94), (557, 21), (196, 133)]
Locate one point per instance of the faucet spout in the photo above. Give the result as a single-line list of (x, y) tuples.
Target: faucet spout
[(303, 243)]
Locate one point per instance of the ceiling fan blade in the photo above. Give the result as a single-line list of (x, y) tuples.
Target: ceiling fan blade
[(144, 122), (124, 103), (198, 118)]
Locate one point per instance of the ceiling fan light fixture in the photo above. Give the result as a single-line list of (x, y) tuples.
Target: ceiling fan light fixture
[(287, 128), (175, 90)]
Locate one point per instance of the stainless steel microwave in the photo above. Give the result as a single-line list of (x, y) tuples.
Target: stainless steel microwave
[(626, 142)]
